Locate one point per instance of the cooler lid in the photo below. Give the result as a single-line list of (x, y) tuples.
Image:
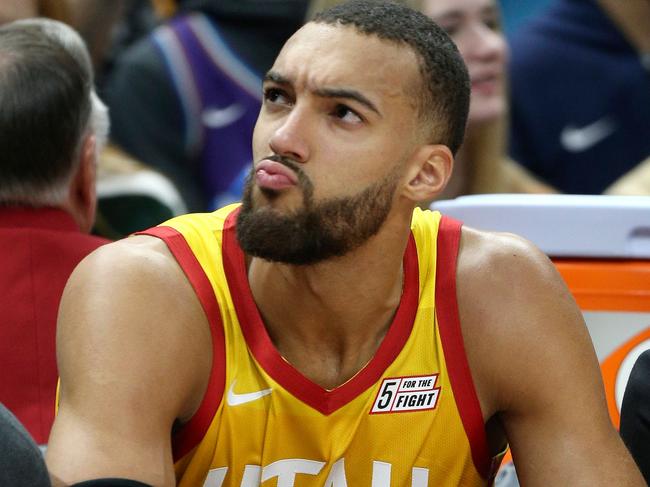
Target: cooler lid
[(562, 225)]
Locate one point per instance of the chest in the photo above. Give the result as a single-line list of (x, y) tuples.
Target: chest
[(394, 423)]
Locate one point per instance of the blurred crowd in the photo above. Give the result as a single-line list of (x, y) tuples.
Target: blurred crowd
[(558, 106)]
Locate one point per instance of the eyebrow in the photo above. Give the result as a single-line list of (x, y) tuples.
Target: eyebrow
[(276, 77), (349, 94), (345, 93)]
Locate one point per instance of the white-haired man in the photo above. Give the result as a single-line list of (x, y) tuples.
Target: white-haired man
[(52, 126)]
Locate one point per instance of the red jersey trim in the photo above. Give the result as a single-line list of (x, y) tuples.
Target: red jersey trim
[(323, 400), (454, 349), (191, 433)]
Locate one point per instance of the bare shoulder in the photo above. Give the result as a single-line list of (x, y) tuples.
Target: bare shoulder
[(534, 366), (136, 274), (129, 297), (500, 258), (514, 303), (507, 277), (131, 337), (133, 288), (130, 258)]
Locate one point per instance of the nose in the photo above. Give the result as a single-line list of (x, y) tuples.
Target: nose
[(486, 43), (290, 137)]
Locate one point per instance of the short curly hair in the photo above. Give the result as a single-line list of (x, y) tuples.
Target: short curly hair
[(443, 100)]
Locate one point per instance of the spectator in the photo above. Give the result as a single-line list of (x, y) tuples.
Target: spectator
[(52, 127), (130, 196), (482, 165), (581, 92), (185, 99), (95, 21)]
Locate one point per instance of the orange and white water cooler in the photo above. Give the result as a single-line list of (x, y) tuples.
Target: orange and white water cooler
[(601, 247)]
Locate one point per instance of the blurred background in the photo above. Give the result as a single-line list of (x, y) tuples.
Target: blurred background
[(182, 81)]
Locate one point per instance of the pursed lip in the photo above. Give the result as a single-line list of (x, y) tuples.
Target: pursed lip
[(274, 175)]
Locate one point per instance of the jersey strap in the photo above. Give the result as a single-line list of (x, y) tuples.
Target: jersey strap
[(452, 339), (193, 431)]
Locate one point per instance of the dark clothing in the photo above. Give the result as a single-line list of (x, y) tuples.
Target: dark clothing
[(221, 100), (21, 462), (255, 29), (635, 414), (155, 120), (39, 248), (580, 98)]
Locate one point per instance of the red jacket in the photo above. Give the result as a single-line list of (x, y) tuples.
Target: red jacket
[(39, 248)]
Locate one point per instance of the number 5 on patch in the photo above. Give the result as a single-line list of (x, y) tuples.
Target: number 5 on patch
[(401, 394)]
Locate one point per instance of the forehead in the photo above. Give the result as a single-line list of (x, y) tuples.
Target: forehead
[(320, 55)]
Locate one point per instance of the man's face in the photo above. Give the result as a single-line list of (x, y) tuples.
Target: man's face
[(336, 128)]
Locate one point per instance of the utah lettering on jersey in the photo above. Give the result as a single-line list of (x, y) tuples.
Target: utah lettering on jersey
[(285, 471), (401, 394)]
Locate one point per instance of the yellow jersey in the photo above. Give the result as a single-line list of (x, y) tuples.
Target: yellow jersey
[(409, 418)]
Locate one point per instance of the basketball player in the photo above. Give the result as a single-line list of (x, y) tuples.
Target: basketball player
[(325, 333)]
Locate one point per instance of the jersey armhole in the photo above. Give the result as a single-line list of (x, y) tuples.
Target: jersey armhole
[(190, 434), (454, 349)]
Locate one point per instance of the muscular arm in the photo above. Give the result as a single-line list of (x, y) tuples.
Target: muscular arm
[(133, 349), (534, 366)]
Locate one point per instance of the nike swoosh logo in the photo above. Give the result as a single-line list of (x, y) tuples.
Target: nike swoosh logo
[(579, 139), (222, 117), (234, 399)]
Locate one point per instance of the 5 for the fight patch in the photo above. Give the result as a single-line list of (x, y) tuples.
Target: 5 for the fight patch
[(402, 394)]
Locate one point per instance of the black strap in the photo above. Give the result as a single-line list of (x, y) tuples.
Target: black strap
[(635, 414)]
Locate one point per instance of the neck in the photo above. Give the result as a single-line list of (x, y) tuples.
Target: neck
[(77, 215), (328, 319)]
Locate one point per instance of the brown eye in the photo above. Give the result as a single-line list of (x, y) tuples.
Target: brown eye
[(272, 94), (346, 114)]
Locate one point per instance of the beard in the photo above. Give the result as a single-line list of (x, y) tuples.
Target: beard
[(318, 230)]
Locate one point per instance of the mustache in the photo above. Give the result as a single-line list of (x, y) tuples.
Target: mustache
[(285, 161), (293, 165), (304, 183)]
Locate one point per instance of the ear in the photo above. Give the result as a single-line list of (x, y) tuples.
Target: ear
[(429, 173), (82, 195)]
